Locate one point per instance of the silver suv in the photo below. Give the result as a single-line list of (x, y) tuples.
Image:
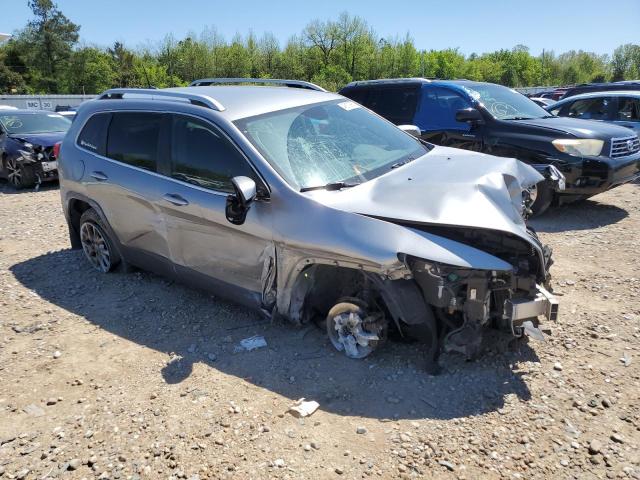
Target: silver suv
[(303, 204)]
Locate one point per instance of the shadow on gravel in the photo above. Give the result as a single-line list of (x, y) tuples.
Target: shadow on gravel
[(192, 327), (584, 215), (7, 189)]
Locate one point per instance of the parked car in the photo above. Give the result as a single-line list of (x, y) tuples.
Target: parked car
[(591, 156), (27, 140), (601, 87), (302, 204), (7, 107), (542, 101), (619, 107)]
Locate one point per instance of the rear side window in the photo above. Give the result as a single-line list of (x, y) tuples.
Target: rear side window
[(396, 104), (202, 156), (439, 107), (628, 109), (590, 108), (93, 136), (133, 139)]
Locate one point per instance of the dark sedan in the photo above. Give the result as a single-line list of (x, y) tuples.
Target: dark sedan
[(27, 141)]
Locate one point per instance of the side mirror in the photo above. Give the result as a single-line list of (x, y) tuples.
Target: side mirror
[(411, 130), (239, 202), (469, 115)]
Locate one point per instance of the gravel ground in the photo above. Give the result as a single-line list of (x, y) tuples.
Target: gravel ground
[(131, 376)]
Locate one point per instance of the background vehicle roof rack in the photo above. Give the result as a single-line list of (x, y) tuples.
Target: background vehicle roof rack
[(203, 82), (393, 80), (193, 98)]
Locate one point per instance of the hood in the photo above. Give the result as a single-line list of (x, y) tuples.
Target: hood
[(576, 127), (42, 139), (447, 186)]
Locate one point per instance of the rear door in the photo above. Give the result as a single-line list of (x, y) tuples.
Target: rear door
[(121, 176), (207, 250)]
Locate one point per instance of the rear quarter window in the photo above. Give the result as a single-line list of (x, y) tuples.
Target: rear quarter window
[(396, 104), (93, 136)]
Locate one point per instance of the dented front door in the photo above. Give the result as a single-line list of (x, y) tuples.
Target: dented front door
[(234, 261)]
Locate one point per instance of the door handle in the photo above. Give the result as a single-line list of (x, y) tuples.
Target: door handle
[(101, 177), (175, 199)]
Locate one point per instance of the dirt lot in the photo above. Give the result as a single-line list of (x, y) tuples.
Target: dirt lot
[(130, 376)]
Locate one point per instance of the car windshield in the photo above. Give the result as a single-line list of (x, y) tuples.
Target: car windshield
[(504, 103), (329, 143), (27, 123)]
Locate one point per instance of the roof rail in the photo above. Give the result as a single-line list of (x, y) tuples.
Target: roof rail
[(391, 80), (274, 81), (193, 98)]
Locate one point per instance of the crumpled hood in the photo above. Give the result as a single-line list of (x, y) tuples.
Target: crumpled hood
[(42, 139), (447, 186), (577, 127)]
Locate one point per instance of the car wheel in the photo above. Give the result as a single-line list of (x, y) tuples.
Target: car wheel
[(98, 248), (19, 175), (543, 200), (353, 330)]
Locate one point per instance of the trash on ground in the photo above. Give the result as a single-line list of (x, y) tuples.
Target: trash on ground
[(626, 359), (304, 408), (251, 343)]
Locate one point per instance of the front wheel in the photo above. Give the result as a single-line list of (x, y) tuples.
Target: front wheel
[(353, 330), (98, 248), (19, 175), (544, 198)]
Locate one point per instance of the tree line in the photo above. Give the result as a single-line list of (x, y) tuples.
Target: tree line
[(46, 56)]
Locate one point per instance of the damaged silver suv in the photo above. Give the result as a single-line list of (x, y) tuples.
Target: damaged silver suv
[(306, 205)]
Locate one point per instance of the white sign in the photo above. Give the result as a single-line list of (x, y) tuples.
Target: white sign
[(33, 104), (46, 104)]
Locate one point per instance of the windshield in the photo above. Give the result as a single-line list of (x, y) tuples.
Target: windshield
[(338, 141), (26, 123), (505, 104)]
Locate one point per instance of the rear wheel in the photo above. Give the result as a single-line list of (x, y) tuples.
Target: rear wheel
[(98, 248), (19, 175)]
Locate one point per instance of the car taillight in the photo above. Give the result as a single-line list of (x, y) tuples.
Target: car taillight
[(56, 149)]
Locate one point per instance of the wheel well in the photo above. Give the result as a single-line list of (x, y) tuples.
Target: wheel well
[(76, 209), (318, 288)]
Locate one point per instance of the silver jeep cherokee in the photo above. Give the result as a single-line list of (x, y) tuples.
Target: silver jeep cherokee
[(306, 205)]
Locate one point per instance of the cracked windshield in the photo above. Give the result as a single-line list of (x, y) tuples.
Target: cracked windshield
[(318, 145)]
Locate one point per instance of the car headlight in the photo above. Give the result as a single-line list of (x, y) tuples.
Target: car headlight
[(579, 147)]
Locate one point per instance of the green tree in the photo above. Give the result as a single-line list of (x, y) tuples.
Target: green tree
[(49, 39)]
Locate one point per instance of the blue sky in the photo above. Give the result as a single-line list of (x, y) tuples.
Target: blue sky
[(472, 25)]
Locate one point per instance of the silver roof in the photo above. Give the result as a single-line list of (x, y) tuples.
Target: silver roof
[(248, 101), (604, 93)]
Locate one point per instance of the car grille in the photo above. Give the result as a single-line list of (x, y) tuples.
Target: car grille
[(623, 147)]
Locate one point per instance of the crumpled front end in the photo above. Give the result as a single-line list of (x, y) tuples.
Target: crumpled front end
[(467, 300)]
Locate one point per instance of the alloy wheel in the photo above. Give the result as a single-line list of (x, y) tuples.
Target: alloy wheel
[(95, 247), (14, 174)]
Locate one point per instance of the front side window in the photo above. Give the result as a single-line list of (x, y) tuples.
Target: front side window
[(337, 141), (200, 155), (629, 109), (133, 139), (439, 107), (31, 123), (590, 108), (504, 103)]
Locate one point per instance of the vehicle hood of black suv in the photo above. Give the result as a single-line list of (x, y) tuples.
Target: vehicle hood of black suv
[(447, 186), (576, 127), (42, 139)]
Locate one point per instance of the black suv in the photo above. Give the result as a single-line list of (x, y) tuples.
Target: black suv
[(602, 87), (489, 118)]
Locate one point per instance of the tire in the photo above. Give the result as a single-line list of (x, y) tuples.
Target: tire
[(19, 175), (98, 248), (543, 199)]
